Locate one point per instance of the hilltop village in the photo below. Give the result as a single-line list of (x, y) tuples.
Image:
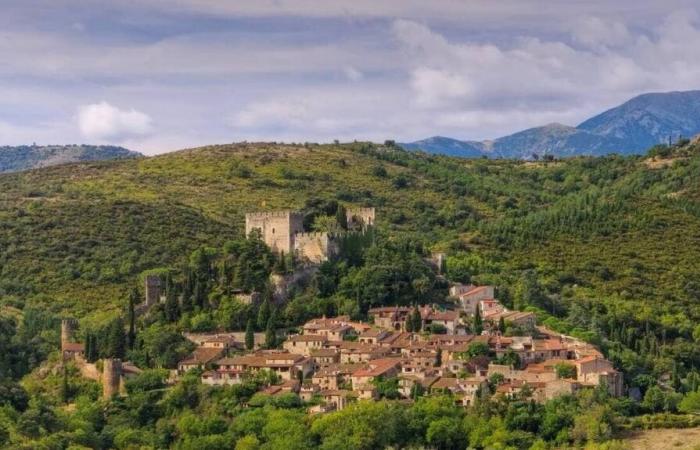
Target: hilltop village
[(459, 347)]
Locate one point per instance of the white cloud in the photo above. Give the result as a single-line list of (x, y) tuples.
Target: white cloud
[(352, 73), (104, 122)]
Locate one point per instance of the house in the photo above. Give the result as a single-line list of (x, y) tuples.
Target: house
[(471, 297), (594, 371), (325, 356), (379, 368), (200, 358), (305, 344), (445, 319), (285, 364), (390, 317), (372, 336), (355, 352), (518, 318), (335, 329)]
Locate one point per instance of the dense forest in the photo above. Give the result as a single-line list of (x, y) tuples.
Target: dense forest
[(604, 249)]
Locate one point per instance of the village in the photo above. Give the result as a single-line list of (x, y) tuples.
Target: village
[(469, 346)]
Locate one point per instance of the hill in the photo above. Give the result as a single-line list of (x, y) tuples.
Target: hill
[(610, 225), (631, 128), (604, 249), (24, 157)]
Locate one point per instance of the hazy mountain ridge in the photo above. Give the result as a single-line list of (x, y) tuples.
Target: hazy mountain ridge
[(630, 128), (24, 157)]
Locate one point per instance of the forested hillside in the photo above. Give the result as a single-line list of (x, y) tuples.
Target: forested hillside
[(605, 249)]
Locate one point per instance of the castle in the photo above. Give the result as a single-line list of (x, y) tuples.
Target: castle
[(283, 232)]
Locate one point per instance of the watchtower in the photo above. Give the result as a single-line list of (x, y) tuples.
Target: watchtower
[(153, 285), (68, 327), (277, 228), (111, 377)]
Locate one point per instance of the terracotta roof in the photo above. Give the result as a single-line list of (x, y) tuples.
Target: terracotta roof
[(445, 383), (321, 352), (378, 367), (307, 338), (375, 332), (202, 355), (73, 347)]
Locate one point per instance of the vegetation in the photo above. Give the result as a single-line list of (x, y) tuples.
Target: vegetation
[(604, 249)]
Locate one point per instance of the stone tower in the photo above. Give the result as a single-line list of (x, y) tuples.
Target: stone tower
[(111, 377), (68, 327), (277, 228), (360, 217), (152, 289)]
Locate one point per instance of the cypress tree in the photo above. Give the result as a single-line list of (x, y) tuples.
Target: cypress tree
[(502, 325), (417, 320), (116, 339), (478, 324), (131, 336), (438, 358), (270, 334), (341, 216), (249, 335), (172, 307), (263, 314)]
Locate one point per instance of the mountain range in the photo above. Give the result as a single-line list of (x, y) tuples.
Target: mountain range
[(630, 128), (24, 157)]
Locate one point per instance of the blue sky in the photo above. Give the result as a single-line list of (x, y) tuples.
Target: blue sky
[(161, 75)]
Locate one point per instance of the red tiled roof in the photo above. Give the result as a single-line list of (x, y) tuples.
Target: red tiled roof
[(378, 367)]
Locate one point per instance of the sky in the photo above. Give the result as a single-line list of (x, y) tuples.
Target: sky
[(162, 75)]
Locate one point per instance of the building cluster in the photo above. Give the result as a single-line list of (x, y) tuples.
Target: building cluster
[(471, 298), (336, 360)]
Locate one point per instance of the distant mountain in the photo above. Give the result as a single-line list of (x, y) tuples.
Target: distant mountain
[(23, 157), (631, 128), (448, 146)]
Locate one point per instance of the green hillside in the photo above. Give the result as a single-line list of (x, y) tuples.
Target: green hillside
[(605, 249), (81, 232)]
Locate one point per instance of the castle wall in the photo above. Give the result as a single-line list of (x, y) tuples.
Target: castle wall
[(314, 247), (360, 217), (277, 228)]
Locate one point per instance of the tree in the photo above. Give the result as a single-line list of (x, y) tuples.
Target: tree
[(131, 336), (416, 320), (65, 389), (478, 324), (172, 306), (341, 217), (438, 358), (115, 339), (263, 314), (271, 331), (249, 335), (501, 325), (690, 403), (478, 349), (565, 370)]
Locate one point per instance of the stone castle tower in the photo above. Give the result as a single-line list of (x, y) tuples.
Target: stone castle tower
[(283, 232), (360, 217), (152, 289), (277, 228), (111, 377), (68, 327)]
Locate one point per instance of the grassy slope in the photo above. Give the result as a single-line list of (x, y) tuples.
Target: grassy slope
[(73, 236)]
